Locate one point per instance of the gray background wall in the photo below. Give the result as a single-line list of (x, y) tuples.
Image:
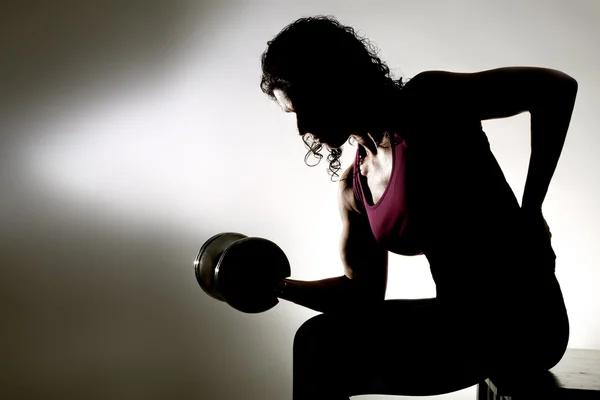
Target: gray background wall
[(132, 131)]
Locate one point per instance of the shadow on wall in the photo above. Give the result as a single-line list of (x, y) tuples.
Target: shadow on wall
[(55, 49), (91, 307)]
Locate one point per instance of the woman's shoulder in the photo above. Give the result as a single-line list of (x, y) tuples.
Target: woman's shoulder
[(347, 191), (346, 182), (430, 85), (435, 76), (437, 97)]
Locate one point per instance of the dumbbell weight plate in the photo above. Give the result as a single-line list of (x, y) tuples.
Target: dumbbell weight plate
[(248, 271), (208, 258)]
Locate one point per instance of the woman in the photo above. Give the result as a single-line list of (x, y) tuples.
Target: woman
[(424, 182)]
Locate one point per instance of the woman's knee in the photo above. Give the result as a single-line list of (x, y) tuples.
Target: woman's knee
[(312, 330)]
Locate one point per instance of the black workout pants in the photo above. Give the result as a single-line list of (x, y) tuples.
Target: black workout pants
[(419, 348)]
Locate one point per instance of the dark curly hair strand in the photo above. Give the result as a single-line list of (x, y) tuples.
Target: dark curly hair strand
[(317, 52)]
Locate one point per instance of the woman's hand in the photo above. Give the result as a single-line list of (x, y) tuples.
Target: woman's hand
[(535, 219), (537, 235)]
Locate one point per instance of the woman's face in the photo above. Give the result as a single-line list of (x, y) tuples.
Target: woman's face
[(329, 119)]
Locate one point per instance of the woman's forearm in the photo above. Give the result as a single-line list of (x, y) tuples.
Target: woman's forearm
[(337, 294), (549, 124)]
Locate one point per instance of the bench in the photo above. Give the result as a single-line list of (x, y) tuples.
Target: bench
[(576, 376)]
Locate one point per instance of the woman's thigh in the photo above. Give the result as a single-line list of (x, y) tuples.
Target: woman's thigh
[(404, 347)]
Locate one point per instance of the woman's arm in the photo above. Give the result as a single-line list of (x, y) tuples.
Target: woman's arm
[(325, 295), (365, 266), (550, 118), (547, 94)]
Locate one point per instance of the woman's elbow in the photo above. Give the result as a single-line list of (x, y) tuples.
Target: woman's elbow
[(567, 85), (369, 299)]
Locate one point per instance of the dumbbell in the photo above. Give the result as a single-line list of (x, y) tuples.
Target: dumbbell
[(241, 271)]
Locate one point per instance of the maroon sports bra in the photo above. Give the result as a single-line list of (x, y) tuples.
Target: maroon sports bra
[(392, 223)]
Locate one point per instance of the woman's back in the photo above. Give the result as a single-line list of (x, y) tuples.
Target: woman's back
[(471, 227)]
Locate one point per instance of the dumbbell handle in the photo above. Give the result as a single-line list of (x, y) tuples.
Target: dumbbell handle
[(280, 288)]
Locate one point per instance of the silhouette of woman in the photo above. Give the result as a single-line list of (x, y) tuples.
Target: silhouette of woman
[(424, 182)]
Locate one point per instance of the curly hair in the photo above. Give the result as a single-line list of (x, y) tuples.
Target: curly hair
[(316, 52)]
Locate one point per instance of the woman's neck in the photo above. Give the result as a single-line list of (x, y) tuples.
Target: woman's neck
[(369, 144)]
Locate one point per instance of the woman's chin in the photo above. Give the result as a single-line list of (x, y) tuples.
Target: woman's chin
[(333, 143)]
